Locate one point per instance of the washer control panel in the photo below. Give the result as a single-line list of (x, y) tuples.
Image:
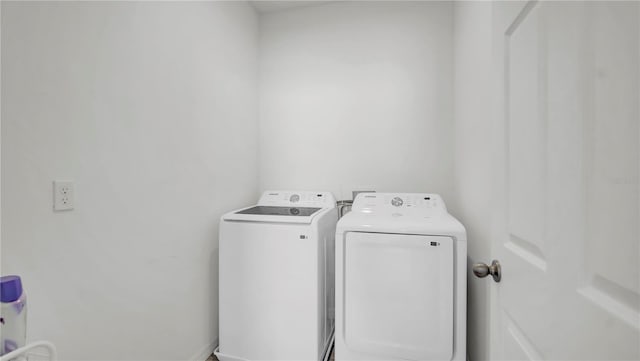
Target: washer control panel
[(399, 202), (300, 199)]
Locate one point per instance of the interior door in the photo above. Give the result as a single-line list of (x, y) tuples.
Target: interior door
[(566, 230)]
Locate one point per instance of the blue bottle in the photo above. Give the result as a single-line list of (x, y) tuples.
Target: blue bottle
[(13, 314)]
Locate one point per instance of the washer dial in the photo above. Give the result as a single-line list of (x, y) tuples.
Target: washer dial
[(397, 202)]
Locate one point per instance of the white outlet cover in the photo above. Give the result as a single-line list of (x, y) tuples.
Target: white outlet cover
[(63, 195)]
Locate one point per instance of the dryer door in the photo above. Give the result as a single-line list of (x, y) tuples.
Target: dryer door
[(398, 295)]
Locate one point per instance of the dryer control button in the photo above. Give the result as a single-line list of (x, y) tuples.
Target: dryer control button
[(397, 202), (294, 198)]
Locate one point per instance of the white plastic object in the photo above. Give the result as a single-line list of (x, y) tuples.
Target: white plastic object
[(23, 352), (222, 356)]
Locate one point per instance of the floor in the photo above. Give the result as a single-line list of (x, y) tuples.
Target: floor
[(214, 358)]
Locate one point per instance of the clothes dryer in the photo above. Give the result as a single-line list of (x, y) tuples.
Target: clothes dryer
[(400, 280)]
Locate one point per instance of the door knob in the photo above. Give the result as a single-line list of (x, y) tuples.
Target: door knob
[(482, 270)]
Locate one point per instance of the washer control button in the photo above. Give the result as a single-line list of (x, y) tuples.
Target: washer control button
[(397, 202), (294, 198)]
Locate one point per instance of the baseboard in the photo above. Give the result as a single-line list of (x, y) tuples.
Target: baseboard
[(205, 351)]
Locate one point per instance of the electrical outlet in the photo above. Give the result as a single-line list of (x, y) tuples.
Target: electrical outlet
[(63, 195)]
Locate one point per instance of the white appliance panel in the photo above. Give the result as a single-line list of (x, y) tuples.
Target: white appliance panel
[(265, 274), (398, 295)]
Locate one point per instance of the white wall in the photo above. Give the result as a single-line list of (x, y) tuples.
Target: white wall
[(151, 108), (472, 204), (357, 94)]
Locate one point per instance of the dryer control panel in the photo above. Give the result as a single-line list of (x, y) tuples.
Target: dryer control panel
[(399, 202), (297, 199)]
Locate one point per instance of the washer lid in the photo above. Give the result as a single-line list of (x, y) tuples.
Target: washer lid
[(280, 211), (285, 207), (274, 214)]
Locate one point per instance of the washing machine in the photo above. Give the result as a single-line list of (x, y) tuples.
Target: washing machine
[(400, 280), (276, 278)]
